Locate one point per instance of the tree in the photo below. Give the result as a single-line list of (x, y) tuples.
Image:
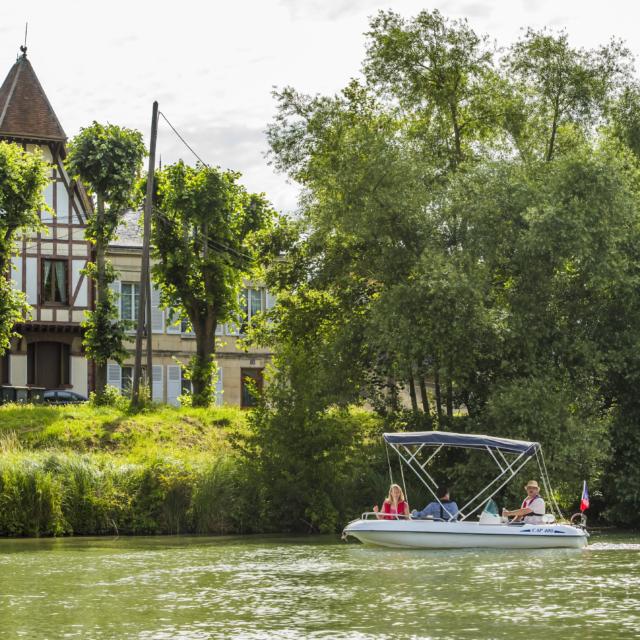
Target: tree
[(441, 74), (108, 159), (23, 177), (563, 91), (207, 232), (474, 225)]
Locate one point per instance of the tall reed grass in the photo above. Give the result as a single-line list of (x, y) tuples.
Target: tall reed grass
[(65, 493)]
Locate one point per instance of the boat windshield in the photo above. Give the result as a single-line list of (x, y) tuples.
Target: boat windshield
[(491, 507)]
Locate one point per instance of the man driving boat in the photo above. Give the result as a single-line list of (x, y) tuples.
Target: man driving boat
[(532, 510)]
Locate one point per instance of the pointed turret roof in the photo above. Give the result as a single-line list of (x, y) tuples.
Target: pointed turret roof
[(25, 111)]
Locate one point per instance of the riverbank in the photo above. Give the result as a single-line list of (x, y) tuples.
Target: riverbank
[(88, 470), (84, 470)]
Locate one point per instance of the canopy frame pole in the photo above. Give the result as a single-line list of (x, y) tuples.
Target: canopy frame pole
[(416, 452), (419, 476), (547, 483), (430, 458), (503, 456), (513, 471), (495, 459), (386, 448), (404, 484), (410, 465)]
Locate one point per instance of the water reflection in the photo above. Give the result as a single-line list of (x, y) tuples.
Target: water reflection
[(196, 588)]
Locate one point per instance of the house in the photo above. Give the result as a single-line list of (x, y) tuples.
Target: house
[(49, 264), (48, 268), (173, 344)]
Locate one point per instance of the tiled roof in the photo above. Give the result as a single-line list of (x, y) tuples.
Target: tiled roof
[(129, 231), (25, 111)]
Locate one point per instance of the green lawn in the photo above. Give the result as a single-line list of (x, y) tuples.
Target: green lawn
[(88, 429)]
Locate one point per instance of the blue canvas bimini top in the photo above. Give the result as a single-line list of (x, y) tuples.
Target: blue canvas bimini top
[(464, 440)]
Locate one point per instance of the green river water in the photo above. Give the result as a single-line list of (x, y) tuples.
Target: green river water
[(272, 587)]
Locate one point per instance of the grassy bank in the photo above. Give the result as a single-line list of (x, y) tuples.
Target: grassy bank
[(88, 429), (84, 470), (88, 470)]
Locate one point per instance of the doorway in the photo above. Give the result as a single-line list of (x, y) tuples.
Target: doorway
[(48, 364)]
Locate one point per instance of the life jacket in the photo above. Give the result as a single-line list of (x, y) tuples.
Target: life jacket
[(526, 504), (388, 508)]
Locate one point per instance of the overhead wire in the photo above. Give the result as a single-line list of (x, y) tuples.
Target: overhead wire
[(213, 244), (186, 144)]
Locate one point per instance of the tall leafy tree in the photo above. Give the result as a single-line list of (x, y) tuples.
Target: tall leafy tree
[(473, 224), (441, 72), (23, 177), (562, 91), (108, 159), (208, 233)]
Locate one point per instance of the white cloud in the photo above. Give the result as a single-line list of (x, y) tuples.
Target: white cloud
[(212, 65)]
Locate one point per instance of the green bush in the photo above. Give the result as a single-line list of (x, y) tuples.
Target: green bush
[(30, 499)]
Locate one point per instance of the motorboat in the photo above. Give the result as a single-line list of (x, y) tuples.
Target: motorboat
[(416, 451)]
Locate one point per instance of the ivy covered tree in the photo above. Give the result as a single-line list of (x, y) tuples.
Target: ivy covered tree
[(207, 233), (23, 177), (108, 159)]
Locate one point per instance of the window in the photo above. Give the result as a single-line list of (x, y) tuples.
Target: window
[(185, 383), (251, 381), (62, 203), (129, 301), (48, 198), (251, 303), (185, 327), (54, 283), (126, 380)]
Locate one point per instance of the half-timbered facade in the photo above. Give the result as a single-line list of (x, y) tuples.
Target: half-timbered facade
[(48, 266)]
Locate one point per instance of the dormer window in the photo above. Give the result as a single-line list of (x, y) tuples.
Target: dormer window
[(55, 282)]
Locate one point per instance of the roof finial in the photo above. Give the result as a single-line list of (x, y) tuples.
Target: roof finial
[(23, 47)]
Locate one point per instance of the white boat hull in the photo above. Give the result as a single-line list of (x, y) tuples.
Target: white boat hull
[(429, 534)]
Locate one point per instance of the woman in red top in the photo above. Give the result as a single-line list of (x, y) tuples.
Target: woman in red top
[(395, 505)]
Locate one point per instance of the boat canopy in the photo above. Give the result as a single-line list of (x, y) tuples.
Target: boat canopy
[(464, 440)]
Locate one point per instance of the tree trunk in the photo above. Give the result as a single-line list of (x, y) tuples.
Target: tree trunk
[(412, 393), (436, 380), (101, 289), (423, 394), (449, 396), (457, 137), (202, 363), (393, 401), (554, 130)]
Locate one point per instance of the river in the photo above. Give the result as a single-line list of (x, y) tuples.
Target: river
[(195, 588)]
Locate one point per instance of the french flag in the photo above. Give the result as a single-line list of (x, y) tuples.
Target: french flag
[(584, 501)]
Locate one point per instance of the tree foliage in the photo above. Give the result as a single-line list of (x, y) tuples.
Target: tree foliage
[(108, 159), (207, 233), (468, 238), (23, 177)]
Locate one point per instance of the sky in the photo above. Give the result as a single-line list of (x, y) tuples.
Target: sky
[(213, 65)]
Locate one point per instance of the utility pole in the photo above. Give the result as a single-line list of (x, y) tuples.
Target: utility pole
[(144, 305)]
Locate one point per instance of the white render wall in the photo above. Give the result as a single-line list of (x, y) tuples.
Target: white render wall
[(18, 369), (79, 375)]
